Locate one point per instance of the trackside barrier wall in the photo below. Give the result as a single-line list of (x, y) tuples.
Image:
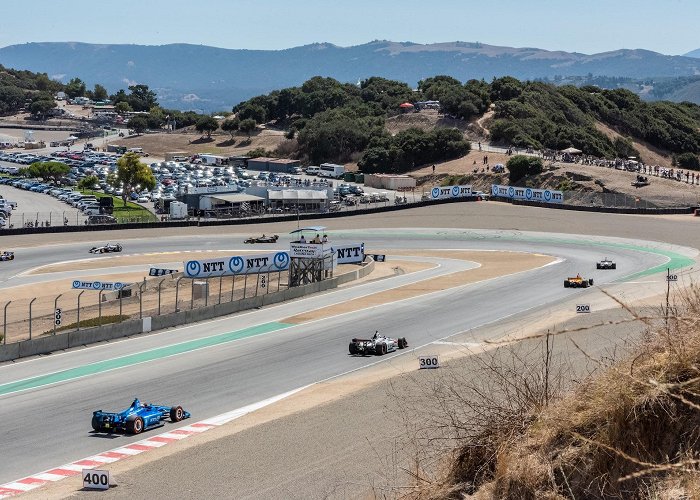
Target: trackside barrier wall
[(612, 210), (51, 343), (234, 222)]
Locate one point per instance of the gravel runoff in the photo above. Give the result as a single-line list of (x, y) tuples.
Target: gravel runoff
[(357, 445)]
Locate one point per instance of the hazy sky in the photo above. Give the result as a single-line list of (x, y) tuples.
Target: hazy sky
[(666, 26)]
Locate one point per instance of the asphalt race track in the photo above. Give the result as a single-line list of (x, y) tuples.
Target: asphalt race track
[(217, 366)]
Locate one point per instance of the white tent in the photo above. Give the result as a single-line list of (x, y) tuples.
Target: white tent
[(572, 151)]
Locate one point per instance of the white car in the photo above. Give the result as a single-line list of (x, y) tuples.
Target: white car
[(142, 199)]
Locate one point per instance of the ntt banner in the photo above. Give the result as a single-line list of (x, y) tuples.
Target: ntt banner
[(238, 264), (97, 285), (441, 193), (527, 194), (350, 253)]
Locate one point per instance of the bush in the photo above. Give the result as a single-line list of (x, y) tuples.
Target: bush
[(520, 166), (688, 160)]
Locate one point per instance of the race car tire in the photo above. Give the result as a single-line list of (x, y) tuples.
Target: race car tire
[(134, 424), (102, 250), (176, 413), (597, 266), (96, 424), (584, 284), (353, 348), (566, 283), (12, 257), (590, 281), (402, 343), (614, 266), (380, 350)]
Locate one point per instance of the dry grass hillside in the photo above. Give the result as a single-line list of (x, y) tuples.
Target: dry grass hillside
[(629, 430), (193, 142)]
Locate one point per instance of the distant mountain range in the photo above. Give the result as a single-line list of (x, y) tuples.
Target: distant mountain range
[(208, 78), (693, 53)]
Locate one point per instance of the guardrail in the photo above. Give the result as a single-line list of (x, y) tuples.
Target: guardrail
[(183, 309)]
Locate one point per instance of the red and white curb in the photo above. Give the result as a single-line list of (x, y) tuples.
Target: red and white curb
[(74, 468)]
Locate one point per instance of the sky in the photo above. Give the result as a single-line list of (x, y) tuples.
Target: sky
[(586, 26)]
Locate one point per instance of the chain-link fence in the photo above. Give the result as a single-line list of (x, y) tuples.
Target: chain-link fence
[(31, 317)]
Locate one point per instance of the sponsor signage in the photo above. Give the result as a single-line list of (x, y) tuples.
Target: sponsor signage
[(441, 193), (237, 264), (154, 271), (527, 194), (97, 285), (351, 253), (306, 250), (378, 258)]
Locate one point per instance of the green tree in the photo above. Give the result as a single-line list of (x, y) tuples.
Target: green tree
[(75, 88), (254, 111), (100, 93), (47, 170), (688, 160), (231, 126), (138, 123), (141, 98), (247, 126), (132, 175), (520, 166), (40, 107), (206, 124), (123, 107), (88, 183)]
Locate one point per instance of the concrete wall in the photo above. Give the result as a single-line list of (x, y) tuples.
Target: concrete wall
[(51, 343)]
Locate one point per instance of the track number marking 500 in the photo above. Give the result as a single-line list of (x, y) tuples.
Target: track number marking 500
[(583, 308), (95, 479), (428, 362)]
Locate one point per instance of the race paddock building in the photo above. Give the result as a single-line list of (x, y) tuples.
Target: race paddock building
[(258, 199)]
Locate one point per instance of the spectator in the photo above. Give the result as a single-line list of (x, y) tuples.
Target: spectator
[(317, 239), (325, 238), (302, 239)]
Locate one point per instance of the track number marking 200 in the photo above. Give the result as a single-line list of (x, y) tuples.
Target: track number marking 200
[(428, 362), (95, 479), (583, 308)]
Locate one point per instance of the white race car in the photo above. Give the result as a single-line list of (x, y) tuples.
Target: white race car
[(108, 248), (378, 345)]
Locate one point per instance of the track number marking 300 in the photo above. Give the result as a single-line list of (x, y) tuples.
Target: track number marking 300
[(95, 479), (428, 362), (583, 308)]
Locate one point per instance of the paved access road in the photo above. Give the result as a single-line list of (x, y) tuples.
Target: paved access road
[(213, 367)]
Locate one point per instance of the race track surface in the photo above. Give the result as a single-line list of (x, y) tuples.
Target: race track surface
[(213, 367)]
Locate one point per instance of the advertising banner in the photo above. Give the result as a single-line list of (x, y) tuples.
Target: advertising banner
[(236, 265), (527, 194), (97, 285), (441, 193), (306, 250), (350, 253)]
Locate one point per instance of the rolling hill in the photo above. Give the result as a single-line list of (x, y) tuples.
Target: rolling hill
[(209, 78)]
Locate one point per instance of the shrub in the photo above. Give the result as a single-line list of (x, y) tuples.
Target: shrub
[(520, 166)]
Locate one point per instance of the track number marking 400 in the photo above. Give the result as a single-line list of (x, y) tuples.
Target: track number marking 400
[(95, 479), (583, 308)]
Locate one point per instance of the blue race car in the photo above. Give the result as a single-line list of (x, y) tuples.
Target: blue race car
[(137, 418)]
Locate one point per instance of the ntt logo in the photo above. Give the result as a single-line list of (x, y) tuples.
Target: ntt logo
[(193, 268)]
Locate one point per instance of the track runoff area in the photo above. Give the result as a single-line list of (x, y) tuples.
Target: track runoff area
[(436, 289)]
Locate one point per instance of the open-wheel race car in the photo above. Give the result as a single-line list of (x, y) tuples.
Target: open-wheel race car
[(7, 256), (137, 418), (578, 282), (262, 239), (378, 345), (605, 264), (108, 248)]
